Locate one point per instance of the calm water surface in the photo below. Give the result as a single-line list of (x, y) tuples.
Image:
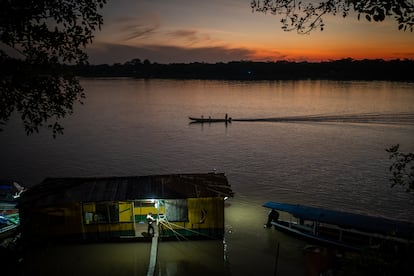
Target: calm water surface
[(140, 127)]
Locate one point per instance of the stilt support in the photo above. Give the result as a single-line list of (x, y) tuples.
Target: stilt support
[(153, 255)]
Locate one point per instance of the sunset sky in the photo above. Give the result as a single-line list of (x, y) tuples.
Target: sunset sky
[(168, 31)]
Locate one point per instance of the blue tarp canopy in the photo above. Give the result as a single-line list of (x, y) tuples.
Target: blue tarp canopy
[(347, 220)]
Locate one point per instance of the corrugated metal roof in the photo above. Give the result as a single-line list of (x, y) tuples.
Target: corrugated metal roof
[(94, 189)]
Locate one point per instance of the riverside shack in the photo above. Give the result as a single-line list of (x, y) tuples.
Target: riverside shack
[(107, 208)]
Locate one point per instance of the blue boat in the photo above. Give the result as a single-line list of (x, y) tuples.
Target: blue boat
[(337, 228)]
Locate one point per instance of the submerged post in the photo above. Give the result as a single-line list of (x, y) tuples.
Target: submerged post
[(276, 257)]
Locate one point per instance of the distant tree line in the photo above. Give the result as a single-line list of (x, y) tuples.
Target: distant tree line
[(344, 69)]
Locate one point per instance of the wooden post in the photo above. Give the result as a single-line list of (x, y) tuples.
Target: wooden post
[(82, 221), (133, 218), (276, 257), (153, 254)]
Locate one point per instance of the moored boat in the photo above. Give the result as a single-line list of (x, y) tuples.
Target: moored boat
[(8, 225), (9, 214), (342, 229)]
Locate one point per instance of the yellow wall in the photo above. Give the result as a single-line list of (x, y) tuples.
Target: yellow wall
[(203, 213), (143, 211), (54, 221), (206, 212), (71, 219), (126, 212)]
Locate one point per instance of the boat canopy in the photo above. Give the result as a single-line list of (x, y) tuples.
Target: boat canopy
[(347, 220)]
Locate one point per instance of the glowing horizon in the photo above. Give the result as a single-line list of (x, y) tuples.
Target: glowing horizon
[(221, 31)]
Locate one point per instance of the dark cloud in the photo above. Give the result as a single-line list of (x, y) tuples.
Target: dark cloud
[(189, 35), (131, 27), (138, 31), (112, 53), (184, 33), (270, 57)]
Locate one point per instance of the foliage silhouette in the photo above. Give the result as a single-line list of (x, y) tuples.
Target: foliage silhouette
[(402, 168), (306, 16), (36, 38)]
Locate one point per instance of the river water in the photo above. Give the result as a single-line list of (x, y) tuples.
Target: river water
[(141, 127)]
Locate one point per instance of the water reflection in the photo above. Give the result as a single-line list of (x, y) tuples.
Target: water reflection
[(192, 258), (88, 259), (249, 249), (136, 127)]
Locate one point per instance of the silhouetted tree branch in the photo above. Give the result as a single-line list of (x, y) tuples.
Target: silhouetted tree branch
[(37, 37), (402, 169), (305, 16)]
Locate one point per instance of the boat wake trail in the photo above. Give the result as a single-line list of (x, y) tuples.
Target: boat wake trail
[(372, 118)]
